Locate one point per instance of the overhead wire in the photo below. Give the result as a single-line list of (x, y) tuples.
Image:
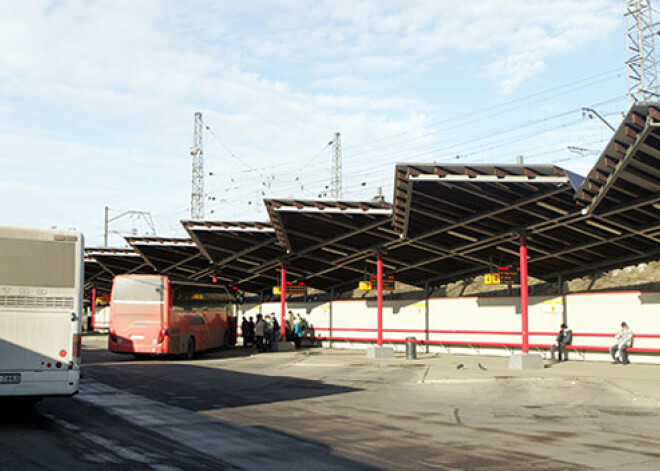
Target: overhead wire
[(481, 115), (468, 147), (484, 113)]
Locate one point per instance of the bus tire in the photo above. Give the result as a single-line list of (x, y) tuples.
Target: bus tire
[(190, 352)]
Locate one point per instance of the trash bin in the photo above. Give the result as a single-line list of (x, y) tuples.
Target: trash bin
[(411, 348)]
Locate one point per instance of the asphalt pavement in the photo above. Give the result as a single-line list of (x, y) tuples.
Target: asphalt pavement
[(334, 409)]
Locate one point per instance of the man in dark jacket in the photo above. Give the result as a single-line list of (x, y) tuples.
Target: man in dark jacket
[(250, 332), (564, 337), (245, 331)]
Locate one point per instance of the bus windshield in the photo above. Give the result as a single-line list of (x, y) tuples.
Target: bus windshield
[(37, 263), (143, 289)]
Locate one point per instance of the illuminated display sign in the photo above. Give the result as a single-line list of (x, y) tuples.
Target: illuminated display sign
[(291, 289), (503, 276)]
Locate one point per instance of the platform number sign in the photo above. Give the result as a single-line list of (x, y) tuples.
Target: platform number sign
[(492, 278)]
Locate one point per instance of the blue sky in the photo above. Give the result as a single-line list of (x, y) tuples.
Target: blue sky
[(97, 98)]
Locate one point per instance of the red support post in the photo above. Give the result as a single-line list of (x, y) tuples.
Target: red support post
[(93, 300), (379, 290), (93, 306), (524, 298), (283, 300)]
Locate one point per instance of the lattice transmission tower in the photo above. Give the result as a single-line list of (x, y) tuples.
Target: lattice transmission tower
[(335, 183), (641, 63), (197, 152)]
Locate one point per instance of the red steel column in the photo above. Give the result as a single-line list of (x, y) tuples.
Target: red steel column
[(524, 300), (93, 306), (379, 288), (283, 300), (93, 300)]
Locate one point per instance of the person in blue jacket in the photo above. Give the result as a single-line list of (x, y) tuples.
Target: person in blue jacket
[(297, 330)]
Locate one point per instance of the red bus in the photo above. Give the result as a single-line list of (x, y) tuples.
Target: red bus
[(148, 316)]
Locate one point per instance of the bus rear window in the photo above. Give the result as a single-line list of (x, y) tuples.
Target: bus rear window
[(139, 289), (37, 263)]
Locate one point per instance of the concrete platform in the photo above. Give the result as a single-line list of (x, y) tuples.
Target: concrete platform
[(526, 361), (286, 347), (379, 353)]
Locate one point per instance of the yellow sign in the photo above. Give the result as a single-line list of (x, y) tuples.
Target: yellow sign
[(365, 285), (492, 278), (553, 306), (276, 290)]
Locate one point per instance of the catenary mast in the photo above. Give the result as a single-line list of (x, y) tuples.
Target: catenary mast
[(336, 183), (641, 63), (197, 194)]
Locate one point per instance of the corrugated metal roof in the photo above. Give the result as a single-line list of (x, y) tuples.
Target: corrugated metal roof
[(447, 222)]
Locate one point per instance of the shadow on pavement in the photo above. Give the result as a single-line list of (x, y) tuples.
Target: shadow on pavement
[(99, 353), (198, 388)]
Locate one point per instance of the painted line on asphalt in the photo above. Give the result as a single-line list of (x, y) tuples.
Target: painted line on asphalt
[(236, 446), (118, 452)]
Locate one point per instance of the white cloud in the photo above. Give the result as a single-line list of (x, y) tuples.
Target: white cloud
[(391, 37), (99, 96)]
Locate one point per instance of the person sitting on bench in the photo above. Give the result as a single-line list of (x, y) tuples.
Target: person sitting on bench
[(564, 337), (624, 340)]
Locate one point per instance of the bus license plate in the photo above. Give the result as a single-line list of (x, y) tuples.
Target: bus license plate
[(10, 378)]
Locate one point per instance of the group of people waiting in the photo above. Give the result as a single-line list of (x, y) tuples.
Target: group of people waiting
[(296, 328), (264, 334), (619, 351)]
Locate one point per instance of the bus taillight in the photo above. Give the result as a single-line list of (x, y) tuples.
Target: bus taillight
[(162, 334)]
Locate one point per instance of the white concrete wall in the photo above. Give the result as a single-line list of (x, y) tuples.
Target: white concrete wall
[(584, 312)]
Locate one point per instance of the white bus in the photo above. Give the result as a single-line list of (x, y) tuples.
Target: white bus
[(41, 273)]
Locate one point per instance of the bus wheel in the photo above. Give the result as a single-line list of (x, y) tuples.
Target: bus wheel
[(190, 353)]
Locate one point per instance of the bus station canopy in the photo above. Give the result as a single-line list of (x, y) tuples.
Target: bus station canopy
[(118, 261), (97, 276), (102, 264), (330, 242), (447, 222), (238, 251), (178, 258)]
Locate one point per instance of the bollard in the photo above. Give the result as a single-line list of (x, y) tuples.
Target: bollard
[(411, 348)]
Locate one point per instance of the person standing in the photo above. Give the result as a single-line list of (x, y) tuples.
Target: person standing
[(564, 337), (623, 341), (245, 332), (275, 335), (290, 321), (268, 334), (259, 331), (251, 332), (297, 330)]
